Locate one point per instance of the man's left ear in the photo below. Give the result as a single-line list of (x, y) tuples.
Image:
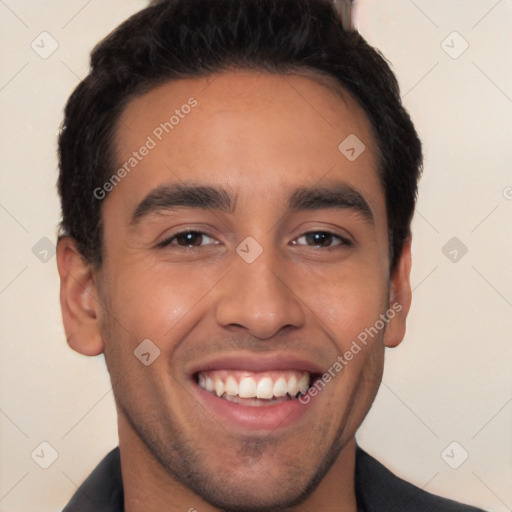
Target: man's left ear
[(399, 298)]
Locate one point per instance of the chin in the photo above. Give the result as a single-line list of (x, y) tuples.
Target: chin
[(257, 484)]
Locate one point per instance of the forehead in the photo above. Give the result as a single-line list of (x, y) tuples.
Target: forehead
[(257, 134)]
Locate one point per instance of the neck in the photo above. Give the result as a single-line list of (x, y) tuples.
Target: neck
[(149, 487)]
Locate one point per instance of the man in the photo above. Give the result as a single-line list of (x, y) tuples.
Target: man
[(237, 180)]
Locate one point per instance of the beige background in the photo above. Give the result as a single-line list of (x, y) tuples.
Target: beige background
[(449, 381)]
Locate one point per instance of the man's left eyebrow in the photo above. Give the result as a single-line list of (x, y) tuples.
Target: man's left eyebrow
[(339, 196)]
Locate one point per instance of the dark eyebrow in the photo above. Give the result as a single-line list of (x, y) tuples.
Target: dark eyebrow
[(167, 197), (336, 196)]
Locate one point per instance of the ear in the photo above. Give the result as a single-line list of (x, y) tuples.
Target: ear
[(399, 298), (78, 299)]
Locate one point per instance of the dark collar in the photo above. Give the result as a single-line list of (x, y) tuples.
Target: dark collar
[(102, 491)]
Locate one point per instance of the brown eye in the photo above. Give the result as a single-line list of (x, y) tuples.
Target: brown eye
[(188, 239), (192, 238), (321, 239)]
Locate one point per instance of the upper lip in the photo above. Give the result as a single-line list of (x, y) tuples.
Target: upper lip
[(258, 363)]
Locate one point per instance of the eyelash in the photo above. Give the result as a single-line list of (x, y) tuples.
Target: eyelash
[(344, 242)]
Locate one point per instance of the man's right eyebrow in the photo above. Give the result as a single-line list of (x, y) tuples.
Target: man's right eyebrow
[(167, 197)]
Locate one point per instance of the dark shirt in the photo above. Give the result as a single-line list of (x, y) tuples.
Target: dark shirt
[(377, 490)]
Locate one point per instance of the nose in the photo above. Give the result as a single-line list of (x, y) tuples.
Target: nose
[(258, 298)]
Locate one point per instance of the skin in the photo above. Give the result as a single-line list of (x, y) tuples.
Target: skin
[(260, 137)]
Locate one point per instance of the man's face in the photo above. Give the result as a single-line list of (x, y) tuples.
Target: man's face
[(256, 157)]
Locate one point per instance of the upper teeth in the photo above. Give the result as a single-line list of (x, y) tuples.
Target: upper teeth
[(264, 385)]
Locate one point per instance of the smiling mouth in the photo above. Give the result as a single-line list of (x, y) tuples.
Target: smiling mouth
[(255, 388)]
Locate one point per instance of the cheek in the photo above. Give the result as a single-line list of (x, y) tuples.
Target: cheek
[(349, 302), (157, 301)]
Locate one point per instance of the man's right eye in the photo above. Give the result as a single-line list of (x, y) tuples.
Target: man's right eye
[(188, 239)]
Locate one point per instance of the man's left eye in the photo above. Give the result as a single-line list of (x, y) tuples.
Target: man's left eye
[(321, 239)]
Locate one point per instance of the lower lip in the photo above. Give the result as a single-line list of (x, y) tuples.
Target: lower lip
[(266, 418)]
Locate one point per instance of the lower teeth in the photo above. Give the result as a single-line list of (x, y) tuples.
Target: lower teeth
[(254, 401)]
